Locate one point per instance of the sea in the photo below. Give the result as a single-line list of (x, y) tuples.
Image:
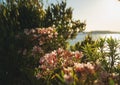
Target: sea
[(81, 36)]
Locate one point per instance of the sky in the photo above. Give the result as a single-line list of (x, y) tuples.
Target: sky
[(98, 14)]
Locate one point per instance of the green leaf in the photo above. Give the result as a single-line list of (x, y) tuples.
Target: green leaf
[(111, 82), (61, 79), (4, 12)]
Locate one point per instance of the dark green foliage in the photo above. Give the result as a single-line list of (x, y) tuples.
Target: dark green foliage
[(89, 48), (104, 52), (80, 45), (61, 17), (113, 53), (15, 16)]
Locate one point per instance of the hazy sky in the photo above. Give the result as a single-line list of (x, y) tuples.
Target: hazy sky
[(99, 14)]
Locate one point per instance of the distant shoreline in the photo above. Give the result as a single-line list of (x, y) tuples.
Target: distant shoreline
[(102, 32)]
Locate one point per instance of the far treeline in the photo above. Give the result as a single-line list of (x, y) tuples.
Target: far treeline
[(103, 32)]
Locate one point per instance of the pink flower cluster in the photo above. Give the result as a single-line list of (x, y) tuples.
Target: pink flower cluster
[(66, 61), (105, 76), (37, 50), (41, 34), (50, 32), (84, 67), (66, 58), (49, 61), (40, 38), (81, 70), (68, 75)]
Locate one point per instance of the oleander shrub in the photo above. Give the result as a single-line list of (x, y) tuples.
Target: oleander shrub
[(34, 48), (19, 17), (64, 67), (104, 52)]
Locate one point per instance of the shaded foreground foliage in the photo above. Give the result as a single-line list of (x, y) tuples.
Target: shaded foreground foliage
[(33, 48), (99, 64), (17, 17)]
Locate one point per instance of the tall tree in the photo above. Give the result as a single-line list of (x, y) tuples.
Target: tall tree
[(61, 17)]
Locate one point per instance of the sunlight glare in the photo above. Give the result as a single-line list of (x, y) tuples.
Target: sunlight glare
[(105, 16)]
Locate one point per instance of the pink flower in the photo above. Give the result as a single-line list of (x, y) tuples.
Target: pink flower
[(60, 50), (41, 42), (32, 30), (26, 31), (51, 58), (36, 49), (68, 78), (55, 34), (90, 67), (51, 29), (39, 75), (50, 36), (43, 67), (42, 60), (67, 70), (79, 67), (78, 54)]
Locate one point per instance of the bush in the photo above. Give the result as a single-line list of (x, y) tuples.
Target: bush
[(34, 55), (63, 67)]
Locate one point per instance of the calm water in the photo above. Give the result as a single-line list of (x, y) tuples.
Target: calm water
[(95, 36), (81, 36)]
